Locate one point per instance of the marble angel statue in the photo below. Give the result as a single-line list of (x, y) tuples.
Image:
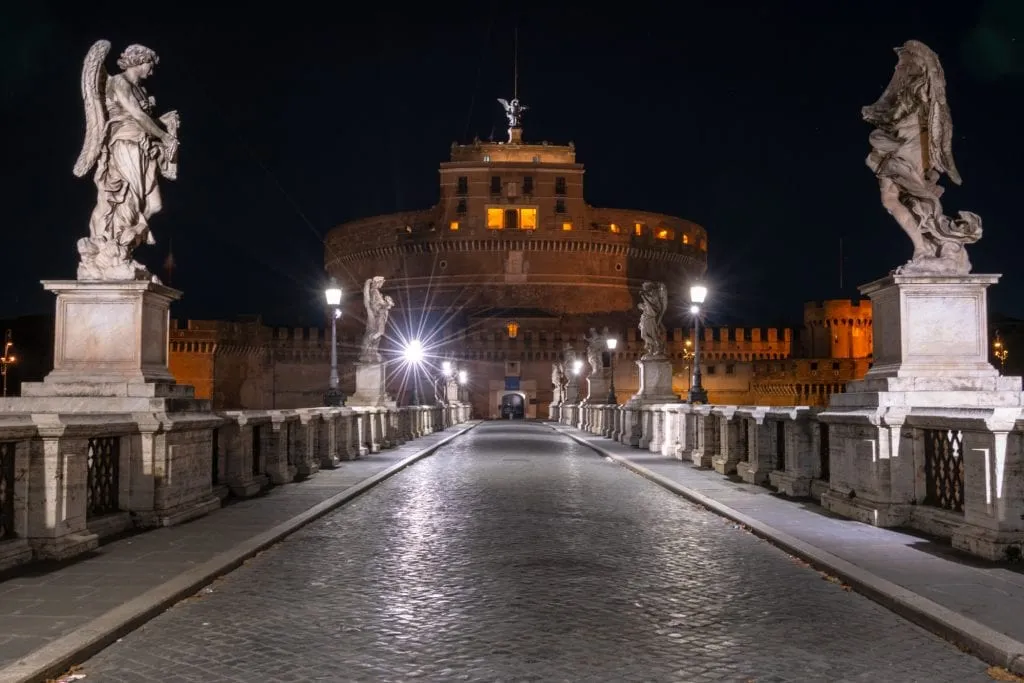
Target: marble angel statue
[(129, 151), (911, 147), (378, 307), (595, 349), (558, 378), (653, 304)]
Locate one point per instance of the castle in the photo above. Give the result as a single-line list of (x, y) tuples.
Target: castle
[(509, 267)]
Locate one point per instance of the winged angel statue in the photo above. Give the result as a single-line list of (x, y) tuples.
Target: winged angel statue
[(129, 150), (513, 111), (911, 147), (378, 308), (653, 304)]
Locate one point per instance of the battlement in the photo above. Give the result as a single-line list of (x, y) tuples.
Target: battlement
[(835, 312), (512, 153)]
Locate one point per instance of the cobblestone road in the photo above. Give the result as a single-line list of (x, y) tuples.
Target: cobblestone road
[(514, 554)]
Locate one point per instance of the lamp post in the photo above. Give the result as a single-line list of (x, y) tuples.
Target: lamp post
[(612, 342), (7, 358), (414, 356), (333, 293), (1000, 351), (697, 392), (688, 359)]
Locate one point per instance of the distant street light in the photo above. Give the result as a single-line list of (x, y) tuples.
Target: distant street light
[(414, 356), (612, 342), (333, 294), (7, 359), (1000, 351), (697, 295)]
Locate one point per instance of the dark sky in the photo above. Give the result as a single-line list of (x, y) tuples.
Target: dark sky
[(744, 118)]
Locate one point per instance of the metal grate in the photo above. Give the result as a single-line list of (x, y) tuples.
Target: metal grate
[(824, 469), (103, 478), (215, 457), (7, 489), (780, 446), (944, 469)]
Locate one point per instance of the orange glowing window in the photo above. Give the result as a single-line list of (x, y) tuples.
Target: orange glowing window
[(513, 328), (567, 226), (614, 228), (686, 239), (528, 219), (495, 219), (638, 229), (664, 234), (454, 225)]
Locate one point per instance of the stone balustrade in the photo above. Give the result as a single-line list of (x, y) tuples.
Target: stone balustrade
[(68, 480), (953, 473)]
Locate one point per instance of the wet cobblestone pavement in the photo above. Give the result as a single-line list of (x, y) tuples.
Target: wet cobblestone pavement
[(515, 554)]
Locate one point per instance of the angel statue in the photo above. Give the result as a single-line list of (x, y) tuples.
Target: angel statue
[(595, 349), (513, 112), (128, 149), (653, 303), (558, 380), (911, 147), (378, 307)]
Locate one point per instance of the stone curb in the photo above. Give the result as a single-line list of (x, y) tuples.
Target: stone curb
[(985, 643), (53, 659)]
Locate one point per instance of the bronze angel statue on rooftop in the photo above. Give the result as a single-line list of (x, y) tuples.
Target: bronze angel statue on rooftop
[(129, 150), (911, 147)]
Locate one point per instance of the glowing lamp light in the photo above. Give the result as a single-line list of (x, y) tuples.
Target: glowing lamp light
[(577, 366), (414, 352), (698, 293), (333, 293), (446, 368), (694, 309), (612, 343), (463, 376)]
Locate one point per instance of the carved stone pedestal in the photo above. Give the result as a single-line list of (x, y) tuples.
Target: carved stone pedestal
[(597, 388), (371, 386), (655, 382), (110, 352)]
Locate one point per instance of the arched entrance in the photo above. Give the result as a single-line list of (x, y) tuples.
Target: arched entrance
[(513, 407)]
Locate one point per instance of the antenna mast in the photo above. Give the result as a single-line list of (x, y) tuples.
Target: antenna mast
[(515, 65)]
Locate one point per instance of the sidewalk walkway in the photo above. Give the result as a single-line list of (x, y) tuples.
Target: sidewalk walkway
[(51, 617), (973, 603)]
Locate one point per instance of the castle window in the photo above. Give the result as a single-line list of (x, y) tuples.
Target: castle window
[(614, 228), (560, 206), (686, 239), (463, 187), (511, 219), (495, 219), (567, 226), (560, 185), (461, 206), (528, 219), (664, 234), (454, 225), (528, 184), (495, 184), (638, 229), (487, 158)]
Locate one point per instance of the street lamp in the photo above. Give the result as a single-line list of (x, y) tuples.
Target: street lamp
[(7, 358), (463, 378), (697, 392), (1000, 351), (612, 342), (687, 359), (414, 356), (334, 396), (577, 367)]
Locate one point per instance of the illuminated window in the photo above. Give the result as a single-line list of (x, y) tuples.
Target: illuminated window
[(513, 328), (638, 229), (527, 219), (686, 239), (495, 219), (454, 225), (614, 228), (664, 234), (567, 226), (703, 245)]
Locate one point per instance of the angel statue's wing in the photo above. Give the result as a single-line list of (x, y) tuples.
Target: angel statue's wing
[(94, 83), (505, 104)]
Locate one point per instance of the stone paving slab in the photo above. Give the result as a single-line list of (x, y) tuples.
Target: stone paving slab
[(49, 612), (977, 604)]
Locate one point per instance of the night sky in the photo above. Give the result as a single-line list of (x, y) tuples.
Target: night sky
[(744, 118)]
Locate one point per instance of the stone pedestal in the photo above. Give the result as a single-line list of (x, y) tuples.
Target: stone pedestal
[(930, 347), (597, 388), (110, 352), (371, 387), (655, 382)]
